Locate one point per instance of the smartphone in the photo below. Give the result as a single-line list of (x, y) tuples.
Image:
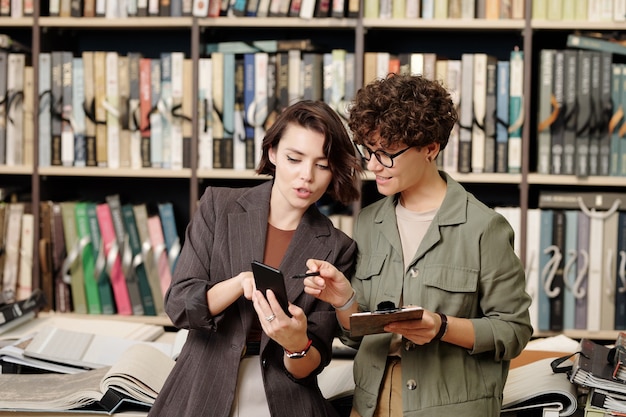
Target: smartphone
[(269, 278)]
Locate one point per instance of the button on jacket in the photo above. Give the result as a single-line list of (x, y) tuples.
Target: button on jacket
[(225, 235), (464, 267)]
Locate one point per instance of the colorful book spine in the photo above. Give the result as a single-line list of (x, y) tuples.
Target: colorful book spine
[(141, 220), (121, 235), (87, 258), (137, 266), (103, 282), (160, 251), (114, 262), (72, 265)]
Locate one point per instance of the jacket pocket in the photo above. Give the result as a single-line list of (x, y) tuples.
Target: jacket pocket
[(453, 287), (370, 267)]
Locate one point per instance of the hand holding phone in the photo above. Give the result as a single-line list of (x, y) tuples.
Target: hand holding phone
[(269, 278)]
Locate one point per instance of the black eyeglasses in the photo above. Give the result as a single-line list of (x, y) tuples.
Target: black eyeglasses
[(385, 158)]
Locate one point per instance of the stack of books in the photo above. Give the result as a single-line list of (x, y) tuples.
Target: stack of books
[(600, 369)]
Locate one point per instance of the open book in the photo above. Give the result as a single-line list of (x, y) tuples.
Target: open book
[(81, 349), (134, 380), (535, 387)]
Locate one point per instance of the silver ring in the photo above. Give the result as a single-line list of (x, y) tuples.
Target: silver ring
[(270, 318)]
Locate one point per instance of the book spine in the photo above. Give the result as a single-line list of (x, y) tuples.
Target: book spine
[(545, 268), (140, 212), (89, 108), (176, 119), (582, 264), (29, 117), (72, 266), (138, 266), (604, 160), (145, 107), (217, 110), (516, 111), (264, 92), (125, 251), (453, 82), (545, 116), (123, 84), (609, 265), (78, 114), (616, 118), (46, 282), (4, 58), (99, 77), (25, 278), (466, 116), (569, 112), (160, 252), (67, 133), (101, 276), (239, 130), (570, 257), (622, 128), (558, 124), (15, 115), (113, 263), (228, 116), (502, 116), (490, 115), (156, 117), (205, 106), (165, 109), (12, 250), (583, 118), (533, 233), (62, 297), (555, 286), (112, 110), (170, 233), (596, 111), (187, 111), (134, 109), (620, 273), (88, 261)]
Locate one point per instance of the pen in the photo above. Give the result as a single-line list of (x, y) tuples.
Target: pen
[(308, 274)]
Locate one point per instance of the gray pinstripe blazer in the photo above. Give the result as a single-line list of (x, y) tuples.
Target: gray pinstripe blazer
[(226, 233)]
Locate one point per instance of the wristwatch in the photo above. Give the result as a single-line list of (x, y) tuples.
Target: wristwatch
[(298, 355)]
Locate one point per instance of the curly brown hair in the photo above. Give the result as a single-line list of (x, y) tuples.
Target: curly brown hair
[(343, 161), (408, 109)]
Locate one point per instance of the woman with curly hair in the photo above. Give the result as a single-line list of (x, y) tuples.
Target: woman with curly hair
[(432, 244)]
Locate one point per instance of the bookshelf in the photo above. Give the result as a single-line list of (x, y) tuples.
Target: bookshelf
[(152, 35)]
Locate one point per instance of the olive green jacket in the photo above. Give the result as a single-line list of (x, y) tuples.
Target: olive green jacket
[(464, 267)]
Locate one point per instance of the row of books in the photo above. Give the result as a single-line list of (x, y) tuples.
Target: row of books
[(109, 110), (96, 258), (581, 127), (488, 94), (583, 10), (444, 9), (575, 261), (115, 9)]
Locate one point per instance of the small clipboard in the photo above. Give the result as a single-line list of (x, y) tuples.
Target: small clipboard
[(373, 322)]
